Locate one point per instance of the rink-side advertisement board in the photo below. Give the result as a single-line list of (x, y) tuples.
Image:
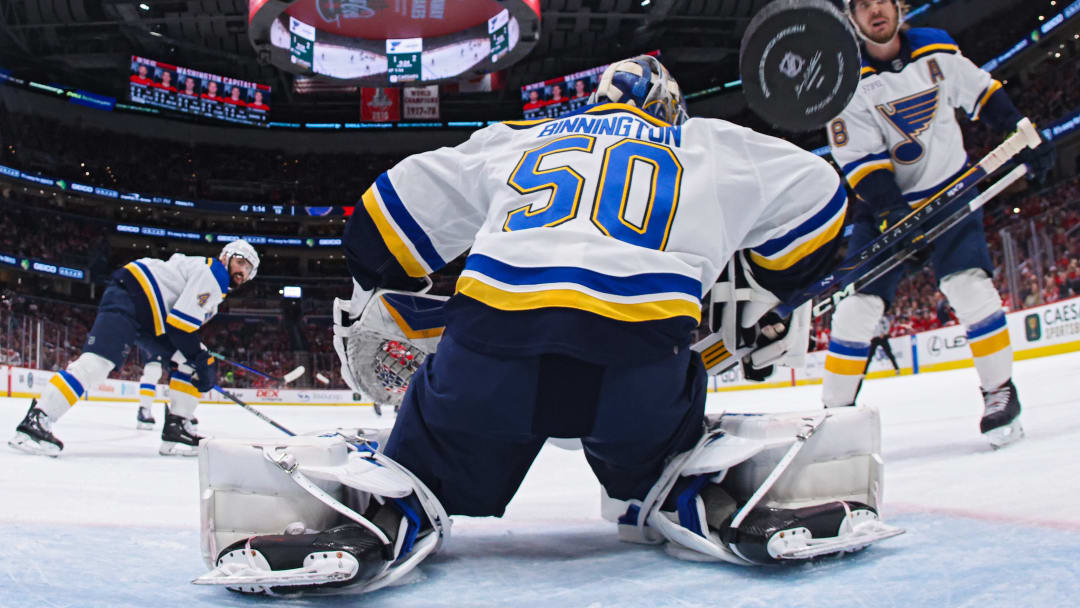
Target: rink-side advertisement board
[(28, 383), (1035, 332)]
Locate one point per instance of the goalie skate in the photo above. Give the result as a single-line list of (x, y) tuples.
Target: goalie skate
[(246, 570), (799, 534)]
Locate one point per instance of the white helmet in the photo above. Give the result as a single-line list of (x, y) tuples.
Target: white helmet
[(899, 19), (642, 82), (243, 249)]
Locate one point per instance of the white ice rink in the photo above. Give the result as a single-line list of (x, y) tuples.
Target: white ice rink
[(111, 523)]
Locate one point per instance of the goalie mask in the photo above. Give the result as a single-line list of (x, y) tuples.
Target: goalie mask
[(642, 82)]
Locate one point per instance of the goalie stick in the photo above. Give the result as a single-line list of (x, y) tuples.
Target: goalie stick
[(287, 378), (858, 272)]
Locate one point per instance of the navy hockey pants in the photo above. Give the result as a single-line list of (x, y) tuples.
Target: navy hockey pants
[(116, 330), (961, 248), (471, 424)]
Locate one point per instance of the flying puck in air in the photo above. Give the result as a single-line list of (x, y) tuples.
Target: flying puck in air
[(800, 63)]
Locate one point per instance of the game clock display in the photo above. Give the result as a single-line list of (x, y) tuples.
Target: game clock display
[(181, 89)]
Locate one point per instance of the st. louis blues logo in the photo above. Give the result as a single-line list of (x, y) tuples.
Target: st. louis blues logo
[(333, 11), (202, 298), (911, 116)]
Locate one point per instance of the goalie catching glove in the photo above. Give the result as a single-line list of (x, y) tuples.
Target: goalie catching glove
[(742, 315), (382, 337)]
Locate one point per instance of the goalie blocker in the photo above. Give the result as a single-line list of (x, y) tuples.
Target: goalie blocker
[(285, 516)]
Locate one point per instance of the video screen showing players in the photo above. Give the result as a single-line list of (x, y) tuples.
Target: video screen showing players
[(557, 97), (171, 87)]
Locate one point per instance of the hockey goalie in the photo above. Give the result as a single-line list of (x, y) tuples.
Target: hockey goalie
[(318, 513), (592, 241)]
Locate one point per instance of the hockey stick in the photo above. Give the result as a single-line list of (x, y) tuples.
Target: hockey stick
[(941, 228), (287, 378), (845, 280), (846, 275), (259, 414)]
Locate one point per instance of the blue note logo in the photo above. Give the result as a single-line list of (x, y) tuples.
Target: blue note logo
[(911, 116)]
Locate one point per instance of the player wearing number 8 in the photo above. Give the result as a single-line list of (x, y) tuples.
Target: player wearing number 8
[(593, 238)]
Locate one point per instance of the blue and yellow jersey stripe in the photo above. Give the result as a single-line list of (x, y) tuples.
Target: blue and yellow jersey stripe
[(857, 170), (634, 298), (150, 288), (68, 385), (147, 390), (989, 336), (821, 228), (936, 47), (404, 237), (987, 93), (181, 383), (846, 358), (610, 108), (182, 321), (417, 318)]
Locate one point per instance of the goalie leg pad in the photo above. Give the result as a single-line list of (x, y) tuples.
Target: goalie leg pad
[(764, 488), (311, 486)]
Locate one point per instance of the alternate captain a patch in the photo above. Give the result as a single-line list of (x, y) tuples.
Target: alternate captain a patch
[(911, 116), (202, 299)]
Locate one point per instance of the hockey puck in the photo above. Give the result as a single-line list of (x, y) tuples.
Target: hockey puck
[(322, 378), (800, 63)]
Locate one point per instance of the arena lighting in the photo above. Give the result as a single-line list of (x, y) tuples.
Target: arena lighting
[(144, 6), (375, 44)]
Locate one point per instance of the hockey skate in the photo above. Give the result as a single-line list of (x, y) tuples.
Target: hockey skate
[(144, 419), (178, 437), (1001, 418), (770, 534), (295, 562), (34, 434)]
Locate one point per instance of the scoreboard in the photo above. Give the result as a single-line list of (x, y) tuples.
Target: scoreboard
[(171, 87)]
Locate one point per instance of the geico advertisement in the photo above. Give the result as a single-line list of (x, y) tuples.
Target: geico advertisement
[(1050, 324)]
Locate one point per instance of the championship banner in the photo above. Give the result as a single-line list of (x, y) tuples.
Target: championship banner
[(421, 103), (380, 104)]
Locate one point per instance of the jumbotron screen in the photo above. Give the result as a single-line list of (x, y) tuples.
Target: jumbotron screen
[(171, 87), (560, 96)]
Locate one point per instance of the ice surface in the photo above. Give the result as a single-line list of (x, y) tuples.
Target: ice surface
[(111, 523)]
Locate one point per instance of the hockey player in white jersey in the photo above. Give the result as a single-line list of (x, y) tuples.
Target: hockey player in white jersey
[(898, 142), (158, 305), (592, 239)]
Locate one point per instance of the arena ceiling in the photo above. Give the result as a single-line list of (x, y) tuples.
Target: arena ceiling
[(88, 43)]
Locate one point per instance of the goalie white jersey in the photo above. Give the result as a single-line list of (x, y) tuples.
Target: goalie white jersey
[(903, 121), (609, 211)]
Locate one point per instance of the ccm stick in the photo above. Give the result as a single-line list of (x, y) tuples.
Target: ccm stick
[(861, 269)]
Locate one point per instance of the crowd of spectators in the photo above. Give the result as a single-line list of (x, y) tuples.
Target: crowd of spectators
[(49, 236), (154, 165)]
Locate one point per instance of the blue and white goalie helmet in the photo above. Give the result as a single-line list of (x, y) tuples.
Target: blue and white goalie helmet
[(642, 82), (243, 249)]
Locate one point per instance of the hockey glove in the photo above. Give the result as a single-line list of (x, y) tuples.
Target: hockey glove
[(742, 316), (206, 371), (1039, 160)]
